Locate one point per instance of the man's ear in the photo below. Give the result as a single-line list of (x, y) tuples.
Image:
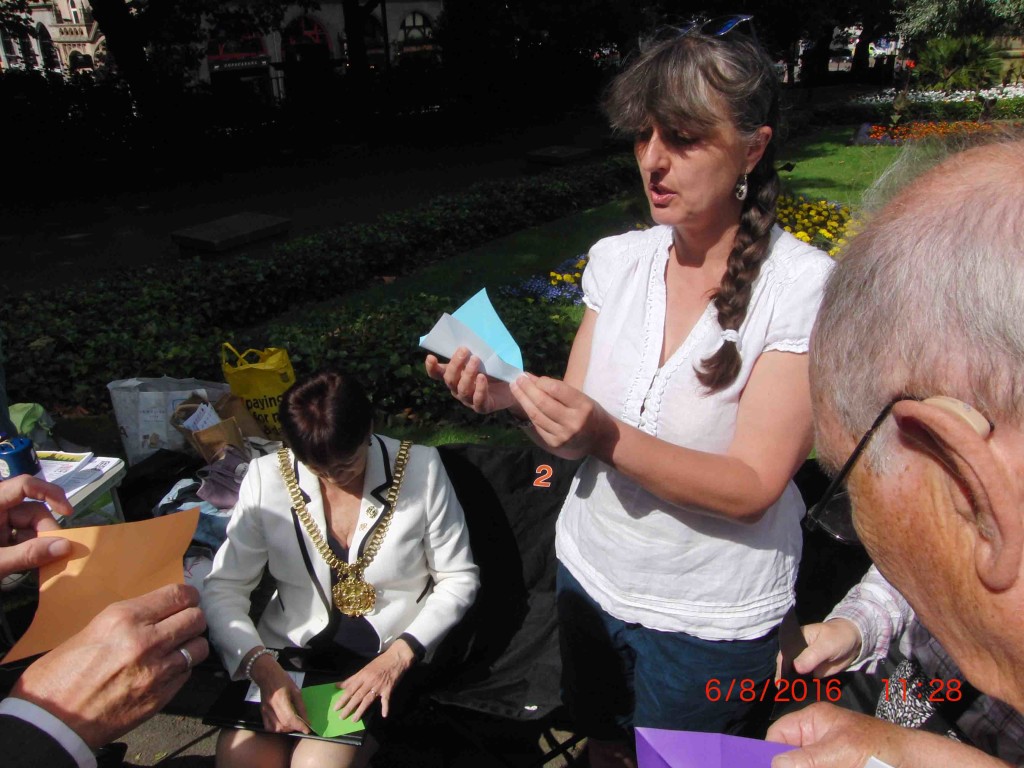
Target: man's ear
[(959, 438)]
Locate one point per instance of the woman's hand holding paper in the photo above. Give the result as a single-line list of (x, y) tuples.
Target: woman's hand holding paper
[(565, 421), (281, 703), (468, 385)]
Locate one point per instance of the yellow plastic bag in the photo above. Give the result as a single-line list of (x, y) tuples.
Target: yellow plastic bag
[(259, 377)]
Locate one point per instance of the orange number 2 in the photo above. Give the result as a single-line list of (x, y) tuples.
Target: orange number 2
[(544, 473)]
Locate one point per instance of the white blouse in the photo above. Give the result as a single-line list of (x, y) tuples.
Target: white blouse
[(643, 559)]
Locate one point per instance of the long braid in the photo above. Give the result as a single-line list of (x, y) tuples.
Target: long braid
[(748, 253)]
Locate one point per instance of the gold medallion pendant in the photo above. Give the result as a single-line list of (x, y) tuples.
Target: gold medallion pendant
[(352, 595)]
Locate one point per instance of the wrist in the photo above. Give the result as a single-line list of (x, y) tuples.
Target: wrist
[(256, 660), (403, 652), (264, 670), (607, 438)]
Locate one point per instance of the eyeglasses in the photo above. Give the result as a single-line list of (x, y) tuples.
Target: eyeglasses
[(833, 513), (717, 27)]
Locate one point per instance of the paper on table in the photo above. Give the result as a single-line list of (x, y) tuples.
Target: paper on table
[(657, 748), (59, 467), (324, 719), (89, 473), (253, 694), (476, 326), (874, 762), (108, 563)]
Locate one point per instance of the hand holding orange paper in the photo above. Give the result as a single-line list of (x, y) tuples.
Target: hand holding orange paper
[(107, 564)]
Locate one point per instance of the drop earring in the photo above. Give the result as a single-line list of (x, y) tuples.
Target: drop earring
[(742, 188)]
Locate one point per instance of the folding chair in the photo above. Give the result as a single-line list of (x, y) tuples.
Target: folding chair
[(504, 655)]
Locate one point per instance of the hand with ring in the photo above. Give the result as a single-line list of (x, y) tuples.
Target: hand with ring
[(376, 679), (123, 667)]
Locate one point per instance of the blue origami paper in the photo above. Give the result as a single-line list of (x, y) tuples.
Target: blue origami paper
[(657, 748), (476, 326)]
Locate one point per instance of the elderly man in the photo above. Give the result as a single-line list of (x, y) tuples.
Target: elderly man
[(123, 667), (917, 374)]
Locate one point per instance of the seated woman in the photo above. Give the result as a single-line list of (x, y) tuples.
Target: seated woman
[(362, 580)]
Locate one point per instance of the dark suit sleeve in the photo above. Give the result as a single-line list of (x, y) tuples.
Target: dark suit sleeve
[(24, 745)]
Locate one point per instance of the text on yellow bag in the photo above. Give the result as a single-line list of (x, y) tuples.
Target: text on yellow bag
[(260, 377)]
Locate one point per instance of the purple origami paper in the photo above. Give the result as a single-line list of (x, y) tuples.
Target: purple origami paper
[(657, 748)]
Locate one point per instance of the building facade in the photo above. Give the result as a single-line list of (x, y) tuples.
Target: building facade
[(309, 46)]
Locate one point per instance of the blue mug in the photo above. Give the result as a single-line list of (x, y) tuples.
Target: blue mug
[(17, 457)]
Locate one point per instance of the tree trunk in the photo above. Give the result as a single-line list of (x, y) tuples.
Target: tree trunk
[(126, 48), (356, 14), (815, 61), (861, 63)]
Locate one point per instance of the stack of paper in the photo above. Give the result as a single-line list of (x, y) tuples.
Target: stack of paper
[(59, 467)]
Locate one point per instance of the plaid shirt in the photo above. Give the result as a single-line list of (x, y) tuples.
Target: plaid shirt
[(881, 614)]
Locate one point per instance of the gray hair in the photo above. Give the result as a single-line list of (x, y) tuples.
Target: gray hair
[(929, 298), (692, 83)]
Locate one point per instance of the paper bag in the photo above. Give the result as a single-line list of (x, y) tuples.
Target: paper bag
[(230, 406), (208, 442), (143, 409), (259, 377)]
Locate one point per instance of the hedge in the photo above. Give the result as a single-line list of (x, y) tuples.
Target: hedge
[(64, 345), (380, 345)]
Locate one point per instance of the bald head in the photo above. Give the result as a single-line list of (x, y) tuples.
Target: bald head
[(929, 299)]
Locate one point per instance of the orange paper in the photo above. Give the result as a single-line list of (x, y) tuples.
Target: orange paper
[(108, 563)]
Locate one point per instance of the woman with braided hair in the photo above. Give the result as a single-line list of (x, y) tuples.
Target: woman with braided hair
[(687, 392)]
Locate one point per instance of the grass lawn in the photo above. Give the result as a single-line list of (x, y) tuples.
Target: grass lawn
[(828, 168), (527, 253)]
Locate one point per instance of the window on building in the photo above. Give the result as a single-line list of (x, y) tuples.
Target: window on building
[(28, 53), (416, 28), (305, 31), (10, 50), (49, 51)]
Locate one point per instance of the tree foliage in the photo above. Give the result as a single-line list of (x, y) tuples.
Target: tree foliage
[(14, 18), (958, 63), (922, 19)]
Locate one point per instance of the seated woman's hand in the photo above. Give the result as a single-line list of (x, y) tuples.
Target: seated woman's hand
[(565, 421), (468, 385), (376, 679), (281, 703)]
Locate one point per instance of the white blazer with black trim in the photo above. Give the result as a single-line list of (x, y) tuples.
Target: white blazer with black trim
[(423, 574)]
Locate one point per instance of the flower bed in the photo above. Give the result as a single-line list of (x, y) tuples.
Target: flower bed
[(916, 131), (1002, 103), (823, 224), (999, 93)]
